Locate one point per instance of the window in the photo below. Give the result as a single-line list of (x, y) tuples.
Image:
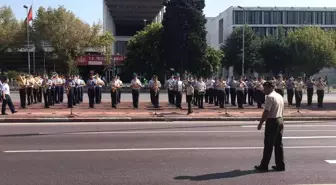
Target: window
[(277, 17), (318, 18), (254, 17), (272, 31), (220, 31), (121, 47), (239, 17), (305, 17), (291, 17), (267, 17), (328, 18)]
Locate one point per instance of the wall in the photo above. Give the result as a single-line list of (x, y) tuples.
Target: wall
[(108, 23)]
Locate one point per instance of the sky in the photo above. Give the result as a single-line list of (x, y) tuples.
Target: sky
[(91, 10)]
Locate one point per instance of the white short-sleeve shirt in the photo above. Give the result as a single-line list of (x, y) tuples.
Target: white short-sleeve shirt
[(5, 89), (274, 104)]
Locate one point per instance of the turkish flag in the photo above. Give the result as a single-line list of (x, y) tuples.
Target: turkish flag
[(30, 15)]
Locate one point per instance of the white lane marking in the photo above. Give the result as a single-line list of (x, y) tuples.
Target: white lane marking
[(184, 131), (331, 161), (316, 125), (160, 149), (311, 137)]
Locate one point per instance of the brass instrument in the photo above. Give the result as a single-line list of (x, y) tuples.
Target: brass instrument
[(155, 87), (21, 80), (38, 82), (99, 80)]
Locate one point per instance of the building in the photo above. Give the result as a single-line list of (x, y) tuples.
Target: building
[(266, 20)]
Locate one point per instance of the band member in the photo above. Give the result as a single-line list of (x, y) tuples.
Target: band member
[(320, 85), (30, 85), (91, 83), (207, 91), (98, 89), (211, 90), (240, 92), (250, 91), (151, 90), (195, 91), (233, 93), (46, 88), (221, 92), (217, 95), (280, 85), (189, 95), (78, 89), (227, 90), (114, 92), (40, 90), (6, 99), (273, 112), (299, 86), (155, 86), (178, 88), (70, 87), (259, 94), (62, 84), (201, 87), (22, 81), (136, 86), (170, 87), (53, 90), (119, 88), (35, 89), (58, 83), (310, 90), (290, 85), (81, 89)]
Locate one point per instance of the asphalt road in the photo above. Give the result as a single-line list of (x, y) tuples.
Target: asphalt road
[(164, 97), (161, 153)]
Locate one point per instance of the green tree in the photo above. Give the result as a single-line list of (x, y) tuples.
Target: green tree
[(312, 50), (213, 62), (68, 35), (275, 54), (145, 52), (232, 49), (184, 36)]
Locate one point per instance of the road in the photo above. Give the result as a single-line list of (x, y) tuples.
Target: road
[(164, 97), (161, 153)]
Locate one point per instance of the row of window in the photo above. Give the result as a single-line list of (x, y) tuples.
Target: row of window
[(284, 17)]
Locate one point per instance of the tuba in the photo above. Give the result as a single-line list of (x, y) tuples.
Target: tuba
[(99, 80), (21, 80)]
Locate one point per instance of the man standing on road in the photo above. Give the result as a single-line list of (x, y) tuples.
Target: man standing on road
[(91, 83), (273, 115), (6, 99), (136, 86)]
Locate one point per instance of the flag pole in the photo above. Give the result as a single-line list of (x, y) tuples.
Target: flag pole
[(27, 22)]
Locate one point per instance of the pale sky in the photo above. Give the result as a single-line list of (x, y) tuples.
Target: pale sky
[(91, 10)]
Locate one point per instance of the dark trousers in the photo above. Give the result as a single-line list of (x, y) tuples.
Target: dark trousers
[(216, 97), (75, 96), (310, 92), (280, 91), (71, 97), (47, 98), (156, 99), (118, 95), (179, 99), (221, 99), (30, 95), (23, 98), (91, 94), (57, 94), (206, 96), (35, 91), (52, 102), (7, 101), (189, 99), (240, 98), (320, 96), (195, 97), (260, 97), (273, 138), (135, 97), (151, 94), (171, 97), (61, 94), (290, 94), (200, 100), (81, 94), (97, 95), (233, 94), (227, 94), (211, 96), (39, 95), (78, 95), (245, 96), (298, 98), (250, 93), (114, 98)]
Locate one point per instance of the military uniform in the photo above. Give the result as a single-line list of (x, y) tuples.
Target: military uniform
[(135, 85), (201, 88), (279, 86), (290, 91), (23, 92), (221, 93), (170, 87), (240, 93), (299, 86), (250, 91), (233, 93), (70, 85), (91, 83), (320, 85), (310, 91), (155, 86), (114, 92), (259, 94), (178, 88), (189, 95)]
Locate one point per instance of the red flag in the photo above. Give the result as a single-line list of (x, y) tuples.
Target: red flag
[(30, 15)]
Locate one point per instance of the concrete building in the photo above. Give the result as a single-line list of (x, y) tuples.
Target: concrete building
[(266, 20)]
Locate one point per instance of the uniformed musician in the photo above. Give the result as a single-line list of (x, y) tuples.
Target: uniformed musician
[(82, 85), (136, 86), (216, 92), (310, 83), (233, 93), (240, 87), (119, 89), (227, 90), (201, 88), (273, 115), (70, 87), (91, 84), (189, 95), (50, 85), (250, 91), (155, 86), (6, 98), (178, 88), (114, 91), (170, 87), (290, 85), (280, 85), (53, 90), (259, 91), (221, 92), (195, 82), (320, 85), (58, 83), (299, 86), (35, 90), (61, 88), (23, 90), (46, 91), (40, 90), (210, 85), (151, 90), (30, 85), (245, 89)]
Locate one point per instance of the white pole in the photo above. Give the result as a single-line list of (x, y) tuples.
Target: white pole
[(243, 57), (28, 42)]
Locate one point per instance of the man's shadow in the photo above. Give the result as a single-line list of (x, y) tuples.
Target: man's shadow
[(213, 176)]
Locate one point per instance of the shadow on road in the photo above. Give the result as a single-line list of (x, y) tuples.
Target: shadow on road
[(214, 176)]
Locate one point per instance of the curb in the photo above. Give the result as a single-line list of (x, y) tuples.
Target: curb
[(153, 119)]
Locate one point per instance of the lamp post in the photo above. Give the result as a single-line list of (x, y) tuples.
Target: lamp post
[(145, 22), (26, 7), (243, 49)]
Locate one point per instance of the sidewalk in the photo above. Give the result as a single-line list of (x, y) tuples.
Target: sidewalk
[(104, 113)]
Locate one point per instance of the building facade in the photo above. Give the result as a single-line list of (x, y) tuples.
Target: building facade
[(266, 20)]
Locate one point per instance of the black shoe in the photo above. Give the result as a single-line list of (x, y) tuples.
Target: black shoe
[(261, 169), (4, 114), (278, 169), (14, 112)]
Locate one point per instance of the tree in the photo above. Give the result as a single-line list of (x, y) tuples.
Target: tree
[(232, 49), (213, 62), (68, 35), (312, 49), (145, 52), (184, 36), (275, 53)]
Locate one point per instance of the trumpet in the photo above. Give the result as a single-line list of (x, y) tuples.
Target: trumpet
[(21, 80)]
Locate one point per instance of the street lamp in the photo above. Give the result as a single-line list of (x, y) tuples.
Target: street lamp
[(26, 7), (145, 22), (243, 50)]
